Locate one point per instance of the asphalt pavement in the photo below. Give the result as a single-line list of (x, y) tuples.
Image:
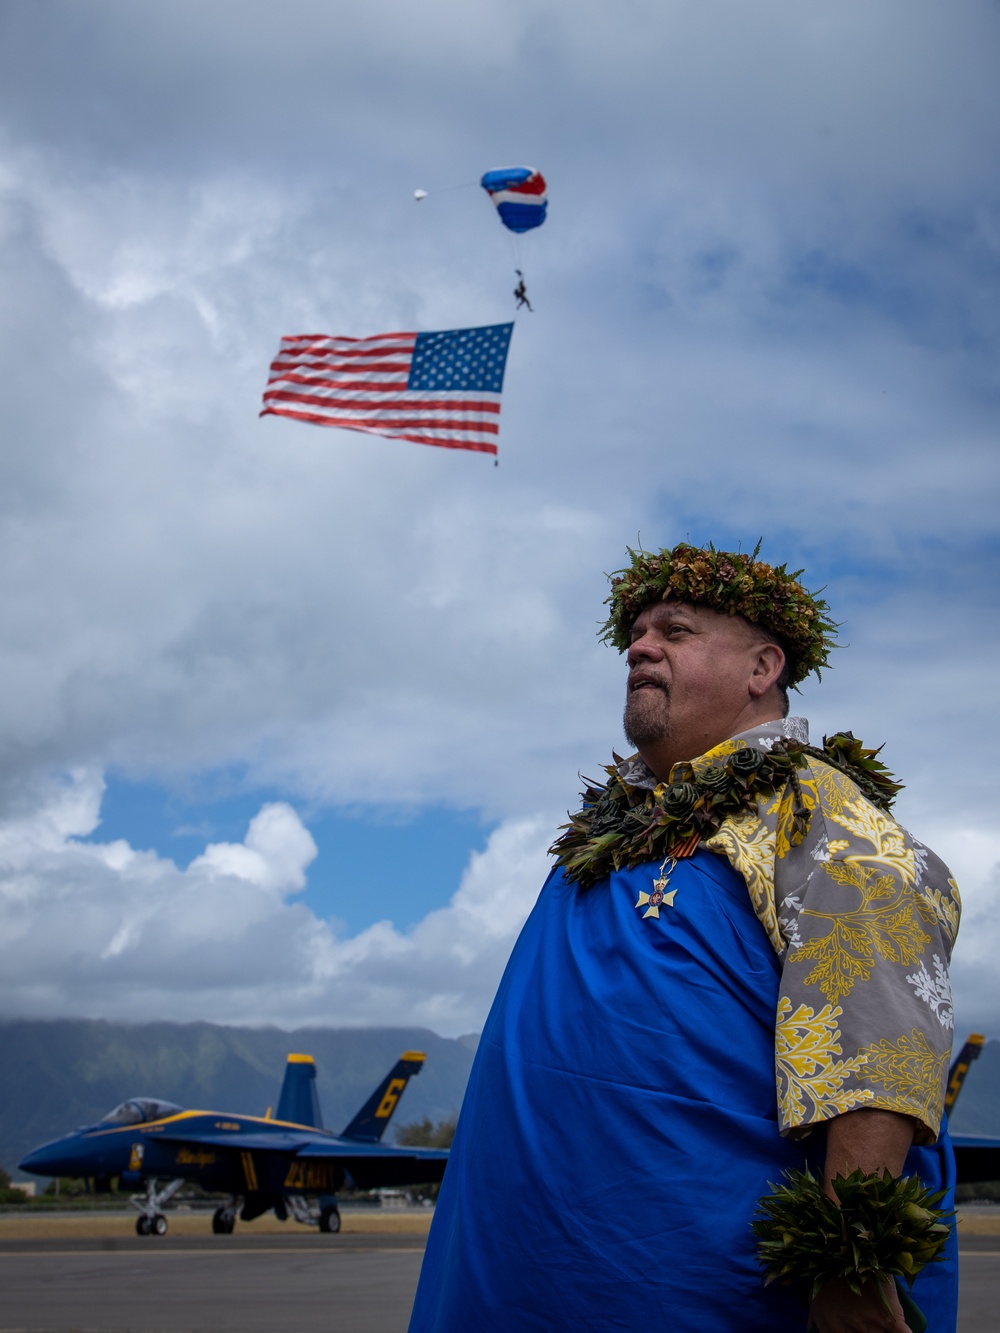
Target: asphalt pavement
[(979, 1289), (300, 1283), (255, 1284)]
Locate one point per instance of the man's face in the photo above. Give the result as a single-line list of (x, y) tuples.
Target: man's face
[(689, 670)]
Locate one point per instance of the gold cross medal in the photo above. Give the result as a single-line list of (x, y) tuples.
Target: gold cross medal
[(659, 897)]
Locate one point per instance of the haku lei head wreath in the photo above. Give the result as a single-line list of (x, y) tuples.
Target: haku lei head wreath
[(732, 583)]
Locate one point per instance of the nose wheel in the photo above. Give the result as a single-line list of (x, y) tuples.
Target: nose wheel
[(151, 1221)]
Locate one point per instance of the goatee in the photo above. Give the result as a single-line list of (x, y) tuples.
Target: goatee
[(647, 718)]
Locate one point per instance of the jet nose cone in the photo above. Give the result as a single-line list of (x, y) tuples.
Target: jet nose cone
[(51, 1159)]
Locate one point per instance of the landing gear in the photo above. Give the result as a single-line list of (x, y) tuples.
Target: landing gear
[(151, 1221), (322, 1212), (329, 1219), (223, 1221)]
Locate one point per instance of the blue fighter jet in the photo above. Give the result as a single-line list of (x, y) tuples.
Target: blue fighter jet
[(288, 1163)]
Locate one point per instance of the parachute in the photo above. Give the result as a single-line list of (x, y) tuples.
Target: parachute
[(519, 194), (521, 199)]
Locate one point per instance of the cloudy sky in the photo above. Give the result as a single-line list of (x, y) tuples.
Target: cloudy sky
[(288, 716)]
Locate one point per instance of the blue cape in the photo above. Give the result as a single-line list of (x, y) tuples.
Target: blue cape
[(620, 1125)]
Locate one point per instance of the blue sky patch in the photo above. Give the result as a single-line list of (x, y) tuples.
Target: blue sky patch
[(372, 865)]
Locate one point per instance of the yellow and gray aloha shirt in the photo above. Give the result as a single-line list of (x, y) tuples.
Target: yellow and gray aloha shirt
[(864, 918)]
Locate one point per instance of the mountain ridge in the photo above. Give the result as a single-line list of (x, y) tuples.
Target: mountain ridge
[(57, 1074)]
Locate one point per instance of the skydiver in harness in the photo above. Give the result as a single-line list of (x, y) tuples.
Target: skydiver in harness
[(520, 292)]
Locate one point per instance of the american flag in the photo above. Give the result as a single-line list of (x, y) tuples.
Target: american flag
[(433, 388)]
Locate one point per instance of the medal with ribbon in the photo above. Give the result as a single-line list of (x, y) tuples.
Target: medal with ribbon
[(652, 902)]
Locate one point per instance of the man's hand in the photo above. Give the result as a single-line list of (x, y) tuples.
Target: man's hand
[(871, 1140), (837, 1309)]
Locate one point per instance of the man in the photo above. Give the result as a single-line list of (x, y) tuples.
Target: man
[(521, 292), (732, 909)]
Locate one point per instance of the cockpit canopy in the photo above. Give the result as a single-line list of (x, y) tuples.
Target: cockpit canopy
[(140, 1110)]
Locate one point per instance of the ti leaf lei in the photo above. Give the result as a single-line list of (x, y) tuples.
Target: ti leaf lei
[(883, 1227), (620, 826)]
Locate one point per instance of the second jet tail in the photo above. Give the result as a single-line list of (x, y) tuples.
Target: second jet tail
[(369, 1124), (299, 1100), (956, 1075)]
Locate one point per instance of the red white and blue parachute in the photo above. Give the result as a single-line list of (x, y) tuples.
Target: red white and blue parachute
[(520, 196)]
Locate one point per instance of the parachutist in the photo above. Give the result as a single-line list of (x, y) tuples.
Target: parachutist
[(520, 292)]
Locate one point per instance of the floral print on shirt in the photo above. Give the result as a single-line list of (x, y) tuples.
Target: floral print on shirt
[(864, 918)]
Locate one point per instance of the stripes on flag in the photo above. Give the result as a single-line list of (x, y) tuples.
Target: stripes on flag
[(432, 388)]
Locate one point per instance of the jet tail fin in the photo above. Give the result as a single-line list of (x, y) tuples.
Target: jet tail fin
[(956, 1075), (299, 1100), (370, 1123)]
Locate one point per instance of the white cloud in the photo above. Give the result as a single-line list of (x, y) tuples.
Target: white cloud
[(973, 855), (766, 304), (103, 930), (274, 855)]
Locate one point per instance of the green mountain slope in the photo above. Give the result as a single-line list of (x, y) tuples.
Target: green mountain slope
[(55, 1075), (58, 1074)]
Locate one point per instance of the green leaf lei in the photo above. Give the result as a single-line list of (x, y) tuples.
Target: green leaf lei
[(885, 1227), (620, 826)]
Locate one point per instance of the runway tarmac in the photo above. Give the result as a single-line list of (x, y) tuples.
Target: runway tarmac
[(359, 1282), (260, 1284)]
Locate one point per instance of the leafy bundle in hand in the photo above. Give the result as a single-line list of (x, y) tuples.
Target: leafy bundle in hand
[(885, 1227)]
